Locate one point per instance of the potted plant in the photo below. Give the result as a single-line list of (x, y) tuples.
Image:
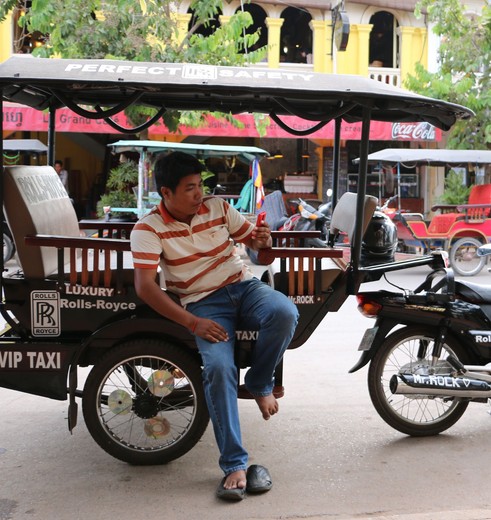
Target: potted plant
[(120, 183)]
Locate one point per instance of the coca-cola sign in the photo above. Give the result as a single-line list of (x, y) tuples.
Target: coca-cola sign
[(413, 131)]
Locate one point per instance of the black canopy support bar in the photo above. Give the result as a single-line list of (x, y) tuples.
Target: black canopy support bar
[(292, 131), (1, 187), (360, 202), (51, 136), (99, 113), (335, 161), (338, 110), (136, 129)]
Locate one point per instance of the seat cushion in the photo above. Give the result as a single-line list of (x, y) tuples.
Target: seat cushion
[(36, 202), (344, 214)]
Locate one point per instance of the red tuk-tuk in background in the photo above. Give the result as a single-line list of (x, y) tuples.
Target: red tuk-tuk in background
[(458, 229)]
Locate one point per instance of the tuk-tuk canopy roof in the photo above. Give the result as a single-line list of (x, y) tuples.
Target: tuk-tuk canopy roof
[(113, 85), (24, 145), (431, 156), (202, 151)]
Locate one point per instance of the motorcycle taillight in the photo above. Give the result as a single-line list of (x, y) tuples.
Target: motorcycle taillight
[(368, 307)]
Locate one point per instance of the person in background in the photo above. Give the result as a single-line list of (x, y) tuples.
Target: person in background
[(380, 52), (305, 55), (62, 173), (192, 238)]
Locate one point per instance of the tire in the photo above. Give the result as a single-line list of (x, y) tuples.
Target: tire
[(463, 257), (417, 415), (141, 420), (8, 248)]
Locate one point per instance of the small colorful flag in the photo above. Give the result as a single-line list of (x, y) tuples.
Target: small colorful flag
[(257, 180)]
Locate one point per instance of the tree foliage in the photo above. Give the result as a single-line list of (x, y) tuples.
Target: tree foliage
[(455, 191), (464, 68), (140, 30)]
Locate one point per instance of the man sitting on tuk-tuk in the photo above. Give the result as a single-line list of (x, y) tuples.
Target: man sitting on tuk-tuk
[(192, 238)]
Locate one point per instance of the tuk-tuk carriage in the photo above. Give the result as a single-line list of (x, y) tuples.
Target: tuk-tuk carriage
[(459, 229), (72, 302)]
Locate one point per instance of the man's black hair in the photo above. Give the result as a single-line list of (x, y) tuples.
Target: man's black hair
[(170, 169)]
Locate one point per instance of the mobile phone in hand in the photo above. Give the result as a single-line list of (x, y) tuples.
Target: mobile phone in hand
[(261, 217)]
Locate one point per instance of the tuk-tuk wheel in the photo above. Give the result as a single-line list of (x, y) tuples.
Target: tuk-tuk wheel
[(143, 402), (463, 256)]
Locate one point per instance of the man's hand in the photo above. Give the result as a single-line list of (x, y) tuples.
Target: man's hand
[(261, 236), (209, 330)]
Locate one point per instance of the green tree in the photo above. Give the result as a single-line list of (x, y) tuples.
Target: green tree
[(139, 30), (464, 68), (455, 192)]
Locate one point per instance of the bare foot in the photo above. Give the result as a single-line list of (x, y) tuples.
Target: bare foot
[(268, 405), (236, 479)]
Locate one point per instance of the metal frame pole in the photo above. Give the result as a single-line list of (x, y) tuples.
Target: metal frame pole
[(362, 187)]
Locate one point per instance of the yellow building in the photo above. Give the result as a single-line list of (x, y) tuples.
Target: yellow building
[(379, 39)]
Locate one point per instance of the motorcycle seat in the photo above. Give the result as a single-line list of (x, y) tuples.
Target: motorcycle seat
[(473, 292)]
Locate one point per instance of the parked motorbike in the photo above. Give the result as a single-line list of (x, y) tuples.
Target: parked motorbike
[(306, 217), (309, 218), (379, 241), (429, 351)]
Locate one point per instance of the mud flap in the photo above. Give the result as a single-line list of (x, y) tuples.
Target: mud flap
[(371, 340), (72, 405)]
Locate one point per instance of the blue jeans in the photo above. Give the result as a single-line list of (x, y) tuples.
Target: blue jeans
[(248, 305)]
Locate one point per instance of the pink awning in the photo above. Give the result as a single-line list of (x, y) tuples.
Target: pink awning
[(20, 118)]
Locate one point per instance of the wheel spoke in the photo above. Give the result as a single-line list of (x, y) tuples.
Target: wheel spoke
[(142, 429)]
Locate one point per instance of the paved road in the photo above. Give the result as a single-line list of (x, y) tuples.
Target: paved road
[(330, 455)]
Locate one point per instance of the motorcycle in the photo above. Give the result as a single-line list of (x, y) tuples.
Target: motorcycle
[(309, 218), (305, 218), (379, 242), (429, 351)]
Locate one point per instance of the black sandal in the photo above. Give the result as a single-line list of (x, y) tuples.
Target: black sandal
[(233, 494), (258, 479)]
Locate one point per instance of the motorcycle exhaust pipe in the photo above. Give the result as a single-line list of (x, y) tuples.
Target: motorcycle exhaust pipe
[(439, 385)]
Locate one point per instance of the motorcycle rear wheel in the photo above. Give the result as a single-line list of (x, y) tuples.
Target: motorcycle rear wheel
[(143, 402), (417, 415)]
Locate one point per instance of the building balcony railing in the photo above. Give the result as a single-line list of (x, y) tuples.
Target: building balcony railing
[(385, 75), (391, 76)]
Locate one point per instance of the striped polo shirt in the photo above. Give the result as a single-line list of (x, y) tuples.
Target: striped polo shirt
[(198, 258)]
